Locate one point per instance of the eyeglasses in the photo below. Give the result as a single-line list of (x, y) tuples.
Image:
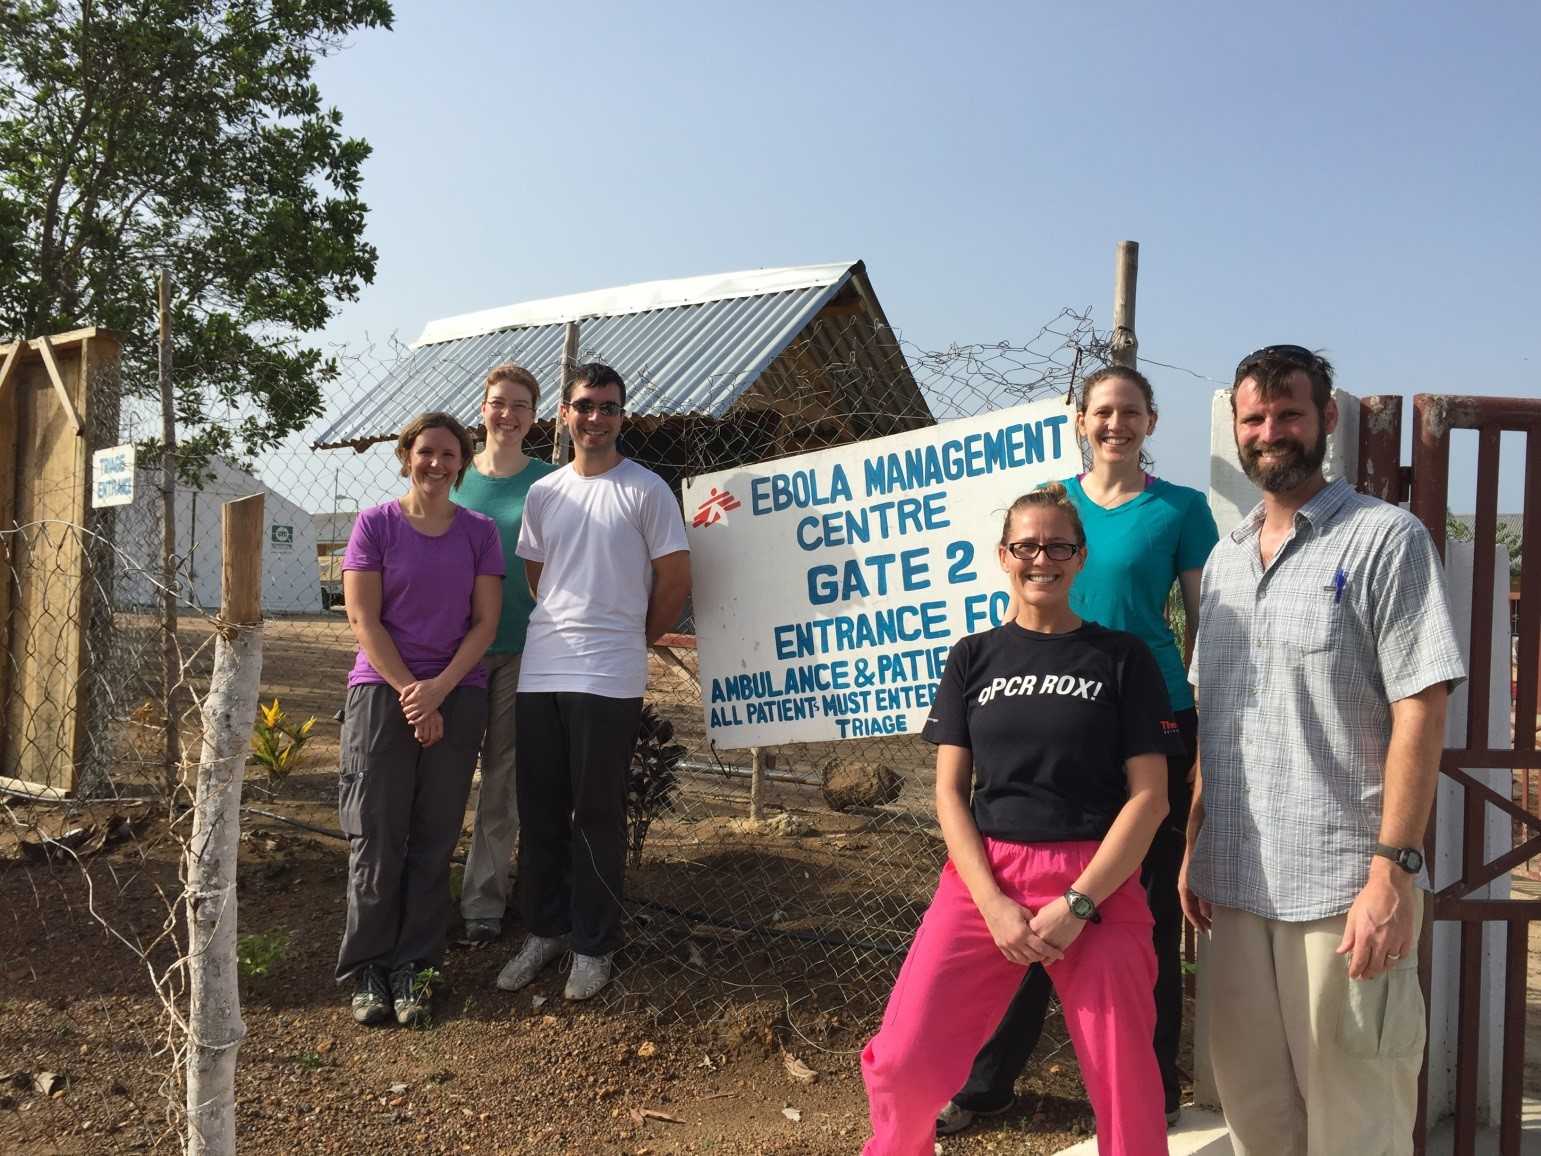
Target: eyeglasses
[(1298, 354), (585, 407), (1057, 551), (498, 405)]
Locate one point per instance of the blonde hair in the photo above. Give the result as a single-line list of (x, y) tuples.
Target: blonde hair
[(1052, 496), (510, 373), (435, 420)]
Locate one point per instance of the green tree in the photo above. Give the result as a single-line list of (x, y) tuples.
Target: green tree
[(189, 135)]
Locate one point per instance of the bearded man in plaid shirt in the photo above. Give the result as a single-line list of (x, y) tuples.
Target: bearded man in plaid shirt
[(1324, 658)]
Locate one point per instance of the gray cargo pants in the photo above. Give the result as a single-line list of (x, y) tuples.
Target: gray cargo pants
[(401, 806)]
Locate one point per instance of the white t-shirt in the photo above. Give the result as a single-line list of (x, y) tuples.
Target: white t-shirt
[(596, 539)]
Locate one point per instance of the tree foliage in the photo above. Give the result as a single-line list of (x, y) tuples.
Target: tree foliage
[(188, 135)]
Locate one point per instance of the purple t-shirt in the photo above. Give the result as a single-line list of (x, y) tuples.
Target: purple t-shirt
[(425, 585)]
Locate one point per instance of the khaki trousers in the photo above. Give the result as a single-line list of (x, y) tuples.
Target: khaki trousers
[(485, 887), (1308, 1062)]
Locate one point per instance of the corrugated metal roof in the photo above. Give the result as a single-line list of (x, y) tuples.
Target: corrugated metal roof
[(693, 346)]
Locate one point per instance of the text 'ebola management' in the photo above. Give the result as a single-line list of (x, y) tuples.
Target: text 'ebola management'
[(904, 495)]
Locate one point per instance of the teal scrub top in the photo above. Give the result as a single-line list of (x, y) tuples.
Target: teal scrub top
[(502, 500), (1134, 552)]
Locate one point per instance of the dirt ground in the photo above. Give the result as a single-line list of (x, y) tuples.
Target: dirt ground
[(686, 1054), (740, 955), (493, 1073)]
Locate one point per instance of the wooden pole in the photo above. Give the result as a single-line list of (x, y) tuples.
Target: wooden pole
[(756, 783), (561, 448), (215, 1028), (1126, 271), (171, 663)]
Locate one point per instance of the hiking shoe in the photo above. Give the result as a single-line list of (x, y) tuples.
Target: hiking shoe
[(480, 932), (409, 999), (537, 952), (589, 974), (953, 1118), (371, 996)]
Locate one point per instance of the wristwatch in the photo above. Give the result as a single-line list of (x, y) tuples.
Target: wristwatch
[(1082, 906), (1409, 859)]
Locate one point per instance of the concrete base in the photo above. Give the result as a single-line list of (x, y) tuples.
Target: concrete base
[(1198, 1133), (1202, 1133)]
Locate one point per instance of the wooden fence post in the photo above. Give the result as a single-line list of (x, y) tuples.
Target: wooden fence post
[(215, 1030), (171, 658), (561, 448), (1126, 272)]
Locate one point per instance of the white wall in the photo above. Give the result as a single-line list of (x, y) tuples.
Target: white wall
[(291, 577)]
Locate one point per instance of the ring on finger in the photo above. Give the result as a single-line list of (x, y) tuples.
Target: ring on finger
[(1392, 957)]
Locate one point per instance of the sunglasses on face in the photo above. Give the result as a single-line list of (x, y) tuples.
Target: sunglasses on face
[(1057, 551), (585, 407), (1294, 354)]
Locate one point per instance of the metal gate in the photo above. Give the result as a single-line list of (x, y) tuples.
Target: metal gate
[(1434, 417)]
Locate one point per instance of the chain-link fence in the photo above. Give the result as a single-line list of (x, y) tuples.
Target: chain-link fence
[(807, 903), (812, 902)]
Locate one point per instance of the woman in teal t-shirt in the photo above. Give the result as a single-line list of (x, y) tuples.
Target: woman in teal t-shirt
[(1142, 535), (496, 484)]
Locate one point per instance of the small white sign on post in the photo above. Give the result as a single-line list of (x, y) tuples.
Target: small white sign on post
[(829, 587), (112, 476)]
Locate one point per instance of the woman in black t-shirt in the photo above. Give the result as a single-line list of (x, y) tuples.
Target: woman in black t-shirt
[(1052, 736)]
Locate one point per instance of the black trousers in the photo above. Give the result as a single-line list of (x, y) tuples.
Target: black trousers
[(1004, 1057), (573, 751), (401, 806)]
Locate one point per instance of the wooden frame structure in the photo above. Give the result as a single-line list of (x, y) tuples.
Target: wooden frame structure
[(58, 405)]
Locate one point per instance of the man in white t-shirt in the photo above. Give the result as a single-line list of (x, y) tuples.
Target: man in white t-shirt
[(603, 544)]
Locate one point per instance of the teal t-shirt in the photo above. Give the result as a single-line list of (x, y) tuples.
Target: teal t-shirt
[(1134, 552), (502, 500)]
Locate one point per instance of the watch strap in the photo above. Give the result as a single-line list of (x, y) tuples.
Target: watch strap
[(1400, 856)]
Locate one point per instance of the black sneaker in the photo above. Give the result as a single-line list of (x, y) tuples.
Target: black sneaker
[(480, 932), (409, 998), (371, 996)]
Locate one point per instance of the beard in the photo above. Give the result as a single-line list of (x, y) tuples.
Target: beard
[(1282, 475)]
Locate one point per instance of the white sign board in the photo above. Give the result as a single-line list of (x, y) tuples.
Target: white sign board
[(112, 476), (828, 587)]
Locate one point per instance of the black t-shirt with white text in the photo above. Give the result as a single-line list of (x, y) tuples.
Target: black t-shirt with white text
[(1051, 719)]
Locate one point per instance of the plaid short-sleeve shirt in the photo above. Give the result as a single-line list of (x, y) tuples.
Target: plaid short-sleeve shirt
[(1297, 666)]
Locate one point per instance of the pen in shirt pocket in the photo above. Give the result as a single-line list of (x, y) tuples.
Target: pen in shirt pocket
[(1339, 582)]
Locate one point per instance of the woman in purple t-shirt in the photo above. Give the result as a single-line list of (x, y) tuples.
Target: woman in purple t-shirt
[(422, 580)]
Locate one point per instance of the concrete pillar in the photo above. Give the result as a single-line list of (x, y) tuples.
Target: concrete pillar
[(1444, 995), (1231, 494)]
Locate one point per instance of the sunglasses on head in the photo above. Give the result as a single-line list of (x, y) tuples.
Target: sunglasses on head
[(1298, 354), (584, 406)]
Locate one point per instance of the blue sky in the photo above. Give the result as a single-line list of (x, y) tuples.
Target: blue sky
[(1357, 177)]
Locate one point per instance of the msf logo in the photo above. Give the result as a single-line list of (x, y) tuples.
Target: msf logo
[(717, 503)]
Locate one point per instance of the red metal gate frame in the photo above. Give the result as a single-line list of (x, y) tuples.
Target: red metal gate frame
[(1434, 417)]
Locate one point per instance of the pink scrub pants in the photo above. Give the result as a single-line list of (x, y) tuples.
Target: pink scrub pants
[(955, 985)]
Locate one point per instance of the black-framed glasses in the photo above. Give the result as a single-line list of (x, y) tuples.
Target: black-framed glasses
[(1057, 551), (585, 407), (1298, 354)]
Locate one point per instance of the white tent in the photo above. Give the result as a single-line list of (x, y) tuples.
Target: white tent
[(291, 578)]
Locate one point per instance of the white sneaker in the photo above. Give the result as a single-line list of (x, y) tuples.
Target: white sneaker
[(536, 952), (589, 974)]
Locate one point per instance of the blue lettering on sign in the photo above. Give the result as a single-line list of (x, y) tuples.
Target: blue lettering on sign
[(861, 629), (971, 456), (880, 520), (797, 490)]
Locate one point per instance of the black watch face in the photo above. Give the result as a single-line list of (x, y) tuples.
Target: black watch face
[(1082, 907), (1411, 860)]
